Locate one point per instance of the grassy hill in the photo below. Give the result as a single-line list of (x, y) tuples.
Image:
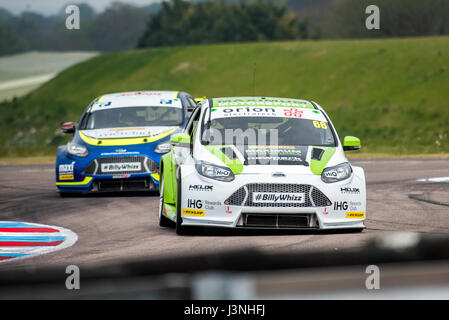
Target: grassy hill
[(392, 94)]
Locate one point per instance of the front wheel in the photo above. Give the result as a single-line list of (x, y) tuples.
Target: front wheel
[(163, 220)]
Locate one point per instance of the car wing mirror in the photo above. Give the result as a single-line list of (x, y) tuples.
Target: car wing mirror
[(181, 144), (351, 143), (68, 127), (180, 140)]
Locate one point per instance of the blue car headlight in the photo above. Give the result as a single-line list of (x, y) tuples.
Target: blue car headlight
[(163, 147), (77, 149)]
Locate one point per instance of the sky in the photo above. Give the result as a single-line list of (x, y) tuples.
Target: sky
[(50, 7)]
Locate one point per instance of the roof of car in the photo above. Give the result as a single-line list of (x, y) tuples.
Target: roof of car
[(261, 102), (137, 99)]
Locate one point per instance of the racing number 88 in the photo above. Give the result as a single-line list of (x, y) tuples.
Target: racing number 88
[(319, 124)]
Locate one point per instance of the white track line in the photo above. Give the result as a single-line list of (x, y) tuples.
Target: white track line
[(439, 179)]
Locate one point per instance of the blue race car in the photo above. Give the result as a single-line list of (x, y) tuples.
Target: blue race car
[(119, 141)]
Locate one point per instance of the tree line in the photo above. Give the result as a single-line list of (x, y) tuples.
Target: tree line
[(183, 22), (336, 19), (118, 27), (187, 22), (178, 22)]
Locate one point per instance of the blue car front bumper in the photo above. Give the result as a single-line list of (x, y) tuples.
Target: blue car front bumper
[(134, 168)]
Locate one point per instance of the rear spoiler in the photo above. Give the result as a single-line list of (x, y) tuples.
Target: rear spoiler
[(200, 99), (197, 100)]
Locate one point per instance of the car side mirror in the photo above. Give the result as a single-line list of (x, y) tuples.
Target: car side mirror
[(68, 127), (351, 143), (180, 139)]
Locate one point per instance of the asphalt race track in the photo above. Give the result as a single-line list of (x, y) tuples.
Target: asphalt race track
[(119, 228)]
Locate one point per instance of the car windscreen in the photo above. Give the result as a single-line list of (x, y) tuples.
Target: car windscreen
[(269, 131), (133, 117)]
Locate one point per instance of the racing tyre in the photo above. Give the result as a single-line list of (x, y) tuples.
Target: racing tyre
[(163, 220)]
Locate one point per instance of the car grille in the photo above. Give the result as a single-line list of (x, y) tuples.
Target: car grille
[(279, 221), (146, 165), (116, 185), (244, 195)]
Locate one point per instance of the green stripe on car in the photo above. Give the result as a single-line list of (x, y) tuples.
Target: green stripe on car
[(317, 166), (235, 165)]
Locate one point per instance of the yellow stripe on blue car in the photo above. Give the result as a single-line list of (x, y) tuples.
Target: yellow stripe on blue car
[(124, 141), (155, 176), (86, 181)]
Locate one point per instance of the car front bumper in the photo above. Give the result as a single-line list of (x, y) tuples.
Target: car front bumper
[(92, 176), (207, 202)]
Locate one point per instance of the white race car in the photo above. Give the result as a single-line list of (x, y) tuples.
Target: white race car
[(259, 162)]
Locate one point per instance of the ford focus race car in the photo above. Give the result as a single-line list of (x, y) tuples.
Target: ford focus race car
[(261, 163), (118, 143)]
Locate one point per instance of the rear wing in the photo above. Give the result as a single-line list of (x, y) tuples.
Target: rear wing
[(200, 99)]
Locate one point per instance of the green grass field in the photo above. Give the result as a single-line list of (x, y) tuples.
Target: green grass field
[(392, 94)]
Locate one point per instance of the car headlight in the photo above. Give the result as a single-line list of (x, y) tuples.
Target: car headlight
[(77, 149), (163, 147), (212, 171), (338, 173)]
